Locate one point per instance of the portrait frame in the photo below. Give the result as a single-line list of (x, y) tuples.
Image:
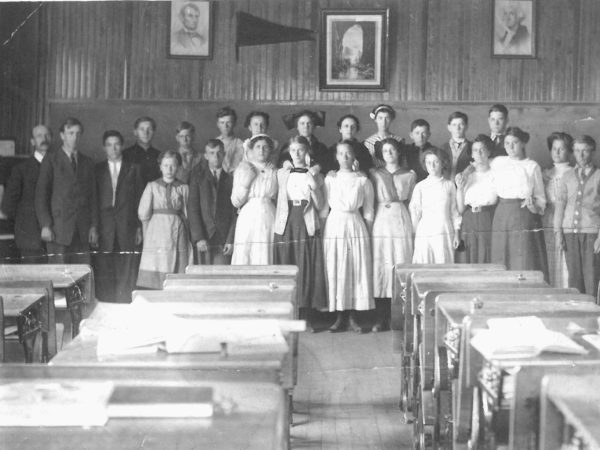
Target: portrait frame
[(353, 50), (196, 43), (514, 29)]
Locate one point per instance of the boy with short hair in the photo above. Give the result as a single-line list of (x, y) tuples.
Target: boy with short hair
[(577, 217), (142, 152), (458, 148), (119, 187), (420, 131), (212, 216), (498, 121), (234, 146), (185, 135)]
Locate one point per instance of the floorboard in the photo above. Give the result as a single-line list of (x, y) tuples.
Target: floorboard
[(348, 392)]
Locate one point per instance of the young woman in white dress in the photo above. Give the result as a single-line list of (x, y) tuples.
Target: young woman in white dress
[(347, 246), (253, 193), (434, 214), (561, 149), (392, 228)]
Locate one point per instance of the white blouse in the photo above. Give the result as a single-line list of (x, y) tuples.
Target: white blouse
[(518, 178), (552, 179), (479, 189), (297, 186)]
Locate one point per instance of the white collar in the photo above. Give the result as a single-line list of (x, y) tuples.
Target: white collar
[(38, 156)]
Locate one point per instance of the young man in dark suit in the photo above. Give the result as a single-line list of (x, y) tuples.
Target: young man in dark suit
[(498, 121), (211, 214), (142, 152), (65, 196), (119, 186), (18, 202)]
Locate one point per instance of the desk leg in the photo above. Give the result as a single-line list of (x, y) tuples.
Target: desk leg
[(28, 346), (74, 304)]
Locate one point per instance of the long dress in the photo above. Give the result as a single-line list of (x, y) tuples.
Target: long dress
[(518, 238), (347, 247), (298, 235), (253, 193), (392, 228), (476, 230), (557, 262), (435, 217), (167, 248)]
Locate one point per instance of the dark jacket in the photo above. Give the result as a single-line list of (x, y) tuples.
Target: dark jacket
[(146, 159), (464, 158), (499, 149), (64, 200), (210, 212), (414, 159), (121, 220), (19, 204)]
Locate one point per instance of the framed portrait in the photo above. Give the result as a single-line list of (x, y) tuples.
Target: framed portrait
[(353, 49), (191, 29), (513, 29)]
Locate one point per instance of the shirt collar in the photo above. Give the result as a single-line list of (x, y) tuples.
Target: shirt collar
[(70, 153), (38, 156)]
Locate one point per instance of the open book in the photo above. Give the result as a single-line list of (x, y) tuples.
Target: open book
[(522, 337)]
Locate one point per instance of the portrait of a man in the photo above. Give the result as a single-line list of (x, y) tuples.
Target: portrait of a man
[(513, 28), (190, 29)]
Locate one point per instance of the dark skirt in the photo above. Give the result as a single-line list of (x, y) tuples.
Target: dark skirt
[(296, 247), (518, 238), (476, 233)]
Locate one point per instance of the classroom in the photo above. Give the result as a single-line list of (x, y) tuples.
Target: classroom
[(300, 224)]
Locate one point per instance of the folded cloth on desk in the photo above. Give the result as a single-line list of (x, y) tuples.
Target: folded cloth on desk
[(122, 329)]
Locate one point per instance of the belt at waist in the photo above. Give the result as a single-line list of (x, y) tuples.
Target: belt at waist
[(292, 203), (388, 204), (477, 209), (510, 200), (172, 212)]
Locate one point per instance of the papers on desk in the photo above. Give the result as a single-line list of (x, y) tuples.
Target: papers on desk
[(54, 403), (522, 337), (127, 329)]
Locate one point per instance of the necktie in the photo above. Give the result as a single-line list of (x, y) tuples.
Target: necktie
[(74, 162), (113, 178)]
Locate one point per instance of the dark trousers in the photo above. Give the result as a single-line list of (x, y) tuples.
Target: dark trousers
[(33, 256), (582, 263), (214, 255), (116, 274), (76, 252)]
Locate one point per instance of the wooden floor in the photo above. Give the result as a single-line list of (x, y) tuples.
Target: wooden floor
[(348, 392)]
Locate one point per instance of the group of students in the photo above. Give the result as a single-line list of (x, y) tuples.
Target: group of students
[(344, 214)]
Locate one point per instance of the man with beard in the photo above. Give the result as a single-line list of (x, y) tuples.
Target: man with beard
[(18, 202)]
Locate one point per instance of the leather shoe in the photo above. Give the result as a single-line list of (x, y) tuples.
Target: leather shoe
[(380, 326), (354, 326), (339, 325)]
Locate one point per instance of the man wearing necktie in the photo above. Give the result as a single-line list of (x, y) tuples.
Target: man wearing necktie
[(498, 121), (211, 214), (65, 197), (458, 148), (119, 186)]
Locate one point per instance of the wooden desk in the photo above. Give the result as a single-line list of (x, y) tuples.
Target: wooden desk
[(510, 388), (75, 280), (452, 385), (401, 287), (243, 271), (29, 312), (257, 422), (46, 315), (570, 412), (425, 287)]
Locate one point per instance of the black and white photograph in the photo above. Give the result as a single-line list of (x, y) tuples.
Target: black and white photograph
[(353, 49), (300, 225), (514, 28), (191, 29)]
